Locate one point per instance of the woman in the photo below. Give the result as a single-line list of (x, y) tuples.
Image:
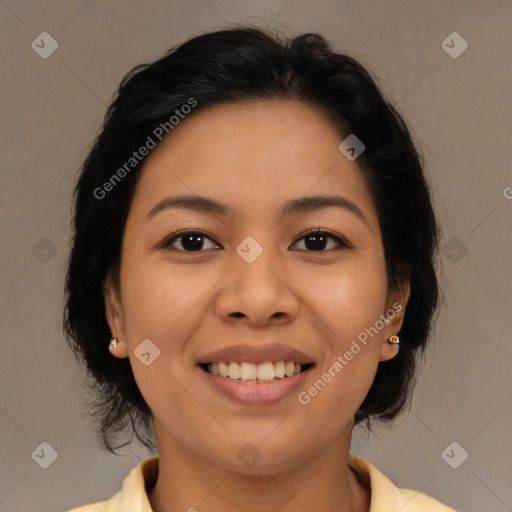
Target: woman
[(254, 241)]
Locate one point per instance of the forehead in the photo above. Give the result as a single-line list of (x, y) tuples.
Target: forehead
[(251, 155), (243, 128)]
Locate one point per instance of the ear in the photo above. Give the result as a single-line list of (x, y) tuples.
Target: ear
[(115, 318), (394, 317)]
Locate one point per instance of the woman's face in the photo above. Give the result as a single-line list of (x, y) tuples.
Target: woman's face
[(253, 285)]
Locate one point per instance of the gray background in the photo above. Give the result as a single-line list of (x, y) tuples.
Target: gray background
[(461, 111)]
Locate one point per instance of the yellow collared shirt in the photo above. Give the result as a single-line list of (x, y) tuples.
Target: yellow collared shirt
[(385, 496)]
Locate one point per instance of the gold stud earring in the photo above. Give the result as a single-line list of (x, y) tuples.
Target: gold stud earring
[(394, 340)]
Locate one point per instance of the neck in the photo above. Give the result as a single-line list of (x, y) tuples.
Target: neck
[(323, 482)]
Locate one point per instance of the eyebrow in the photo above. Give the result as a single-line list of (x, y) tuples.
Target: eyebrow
[(291, 207)]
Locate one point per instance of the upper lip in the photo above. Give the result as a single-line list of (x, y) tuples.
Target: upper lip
[(257, 354)]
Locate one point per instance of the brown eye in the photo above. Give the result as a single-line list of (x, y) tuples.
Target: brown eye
[(316, 240), (191, 241)]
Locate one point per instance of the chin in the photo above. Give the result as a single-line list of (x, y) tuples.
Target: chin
[(260, 456)]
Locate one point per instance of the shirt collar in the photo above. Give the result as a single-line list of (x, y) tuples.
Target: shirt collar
[(384, 494)]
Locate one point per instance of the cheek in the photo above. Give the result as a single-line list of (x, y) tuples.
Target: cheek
[(351, 300), (349, 305), (352, 305), (163, 306), (160, 301)]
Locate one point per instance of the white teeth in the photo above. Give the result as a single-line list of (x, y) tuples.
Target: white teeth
[(223, 369), (279, 369), (250, 372), (234, 371), (266, 371)]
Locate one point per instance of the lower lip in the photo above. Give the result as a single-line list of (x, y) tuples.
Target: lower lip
[(249, 393)]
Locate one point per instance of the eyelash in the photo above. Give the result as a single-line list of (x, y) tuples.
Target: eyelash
[(342, 243)]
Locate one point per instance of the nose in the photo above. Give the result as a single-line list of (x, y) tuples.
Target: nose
[(260, 292)]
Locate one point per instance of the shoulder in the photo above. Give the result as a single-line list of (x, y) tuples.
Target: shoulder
[(387, 497), (414, 501), (133, 495)]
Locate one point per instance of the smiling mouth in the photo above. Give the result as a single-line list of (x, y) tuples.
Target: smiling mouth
[(263, 373)]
